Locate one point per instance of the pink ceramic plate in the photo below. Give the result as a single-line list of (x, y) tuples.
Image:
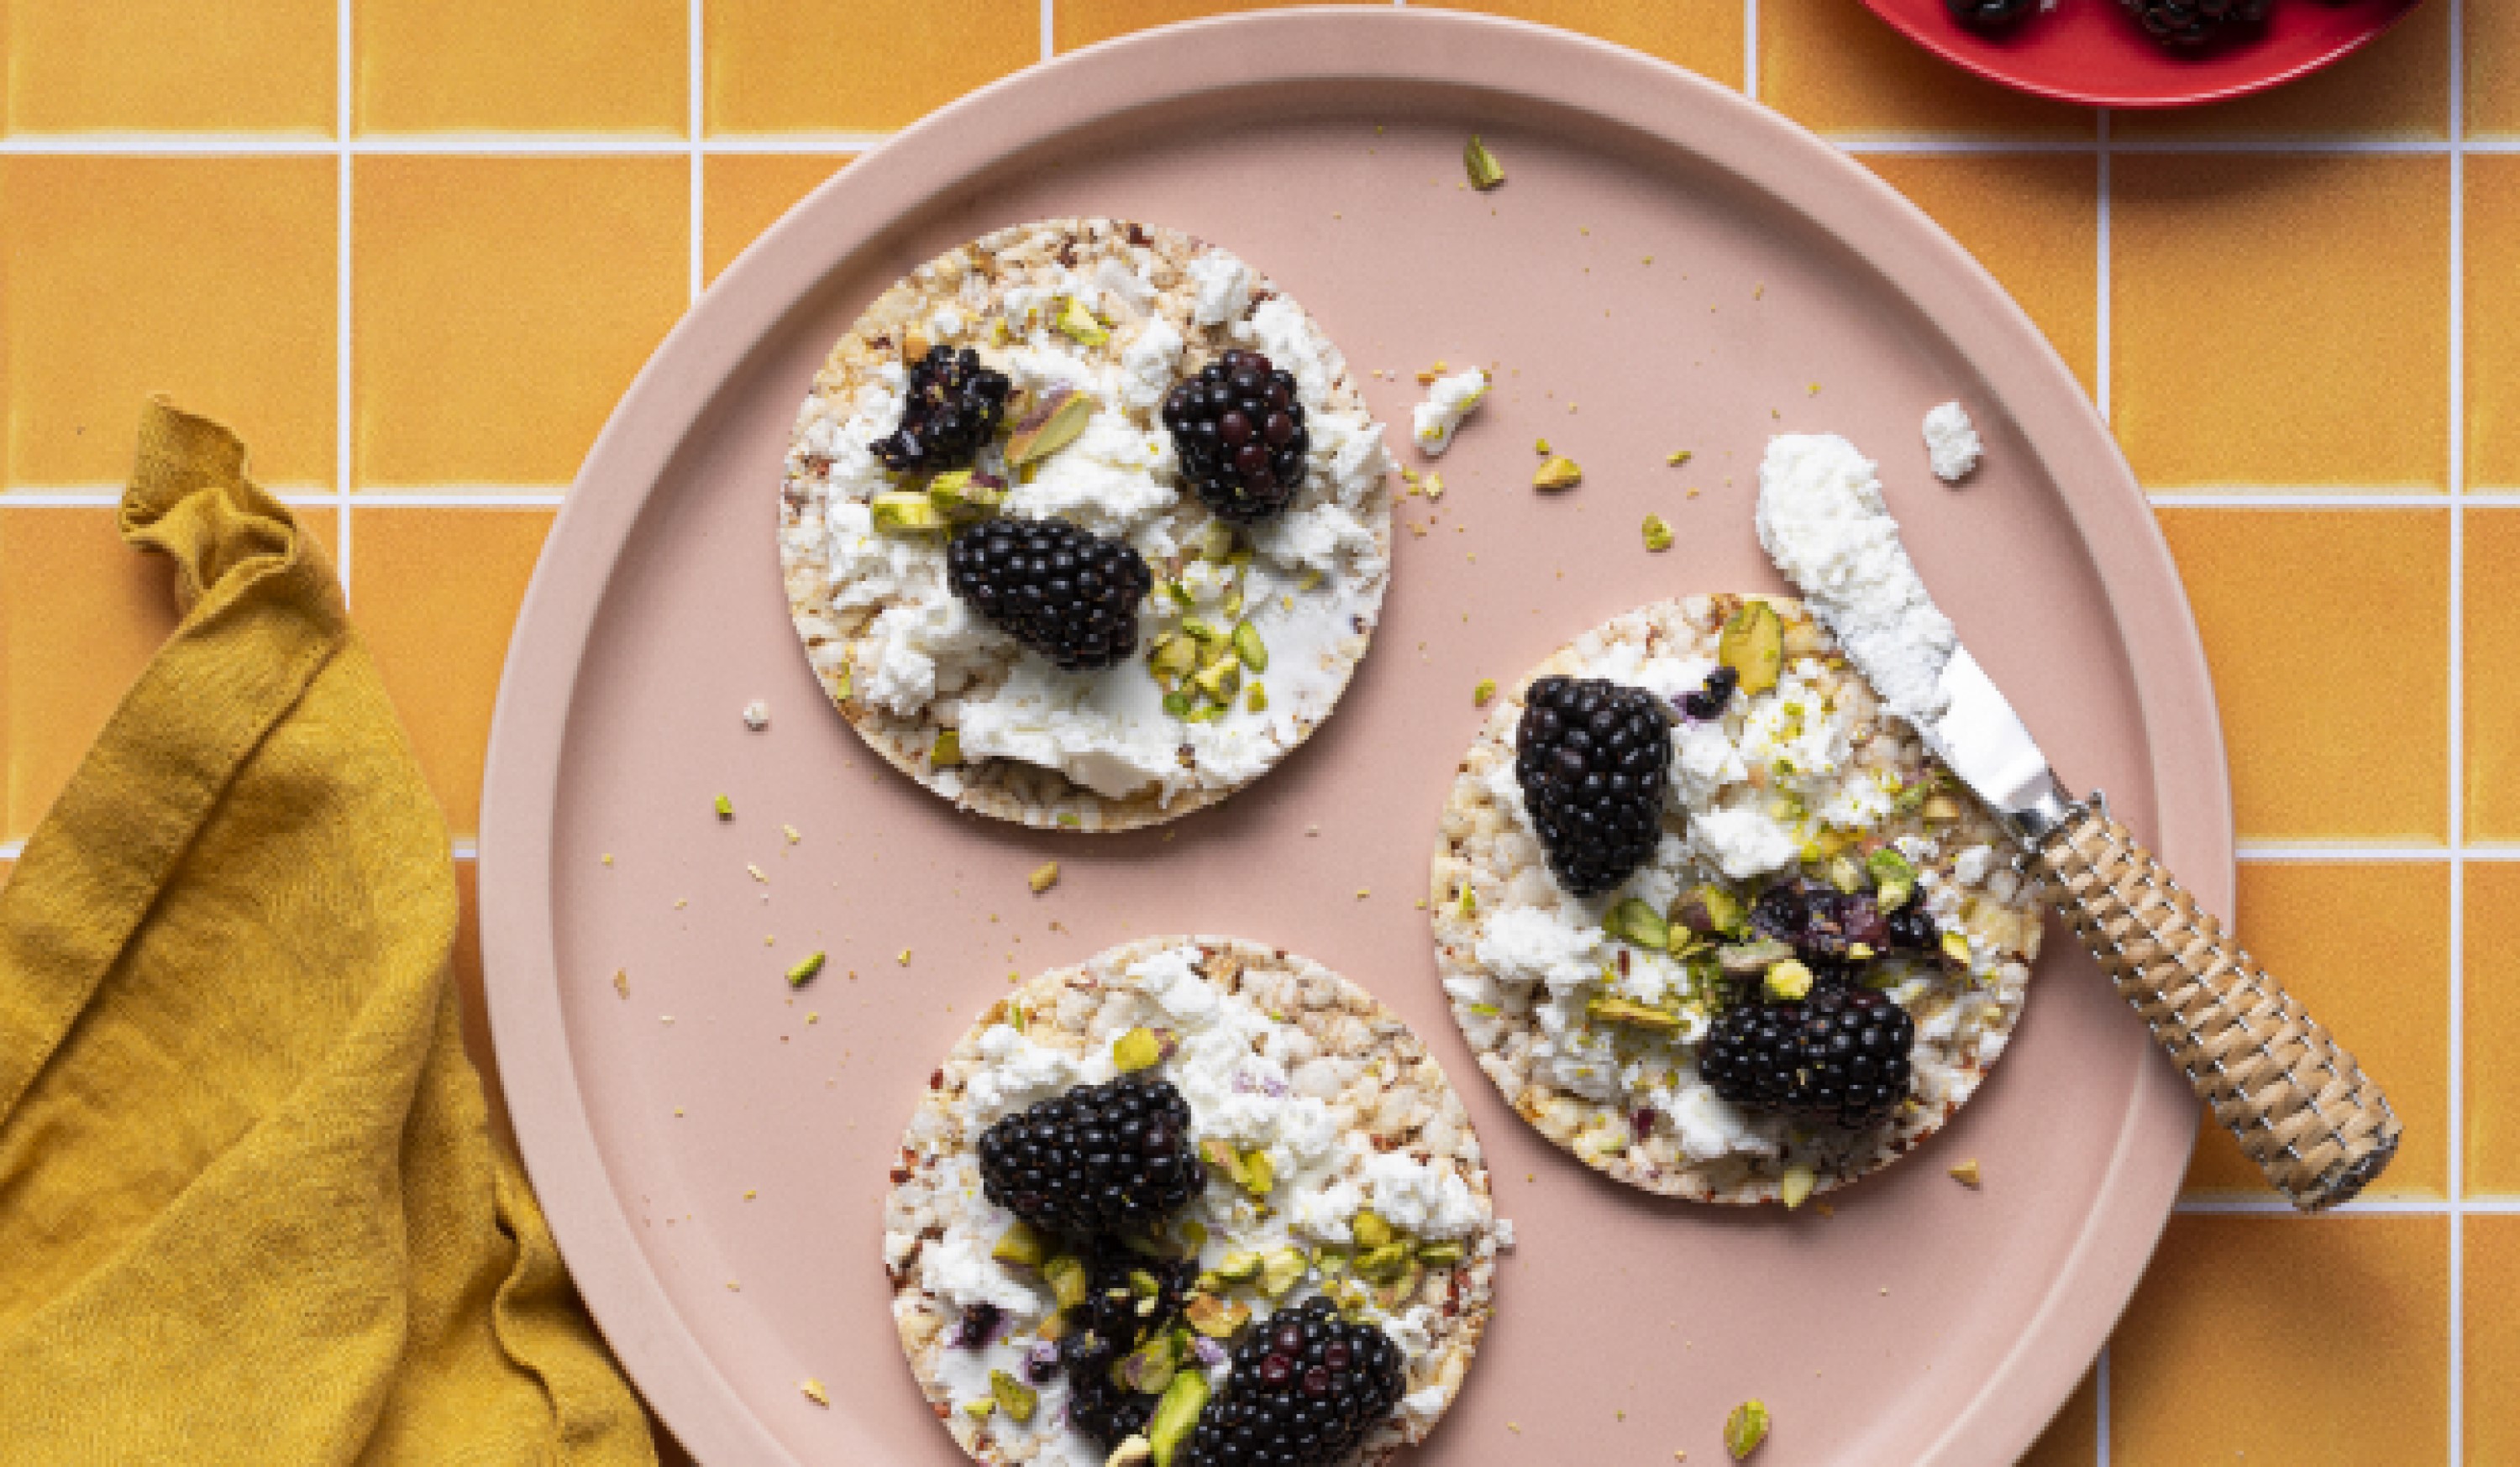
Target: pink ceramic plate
[(715, 1179)]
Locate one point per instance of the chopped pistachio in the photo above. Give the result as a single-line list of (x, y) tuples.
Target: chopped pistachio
[(1559, 473), (1710, 909), (1065, 1273), (947, 751), (1390, 1295), (1967, 1173), (1468, 906), (1176, 1417), (1331, 1259), (1238, 1267), (1216, 539), (1677, 457), (1485, 690), (1845, 874), (1484, 170), (980, 1407), (1044, 877), (1439, 1255), (1248, 647), (1079, 325), (1939, 808), (1173, 656), (1013, 1396), (1258, 1174), (1751, 960), (1956, 947), (798, 975), (1180, 704), (1894, 879), (1384, 1264), (814, 1391), (1370, 1230), (1796, 1185), (1215, 1317), (1133, 1451), (1255, 697), (1137, 1049), (1745, 1428), (1657, 533), (1219, 679), (1281, 1270), (1050, 422), (1753, 645), (725, 807), (1789, 980), (1635, 920), (906, 512), (1630, 1011), (1019, 1244), (1150, 1367)]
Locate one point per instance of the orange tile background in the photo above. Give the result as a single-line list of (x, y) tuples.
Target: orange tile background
[(2301, 313)]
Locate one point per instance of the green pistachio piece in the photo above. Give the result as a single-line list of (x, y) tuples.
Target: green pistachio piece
[(1065, 1273), (1370, 1230), (1440, 1255), (1013, 1396), (1630, 1011), (1020, 1244), (1796, 1186), (906, 512), (1789, 980), (1893, 878), (1176, 1416), (1219, 679), (1845, 874), (1050, 422), (1215, 1317), (1753, 644), (1484, 170), (1384, 1264), (1137, 1049), (1657, 532), (1239, 1268), (1281, 1270), (1710, 909), (1745, 1428), (1635, 920), (1248, 647), (947, 751), (804, 972)]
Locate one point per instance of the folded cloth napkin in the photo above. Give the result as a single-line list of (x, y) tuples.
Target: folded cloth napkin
[(250, 1207)]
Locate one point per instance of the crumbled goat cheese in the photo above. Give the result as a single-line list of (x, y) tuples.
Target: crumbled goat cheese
[(1742, 839), (1430, 1201), (1533, 944), (1951, 443), (1821, 520), (1449, 400), (960, 1271), (1112, 478), (1224, 286), (1148, 364), (1018, 1072)]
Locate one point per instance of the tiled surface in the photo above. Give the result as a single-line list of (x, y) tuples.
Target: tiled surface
[(437, 259)]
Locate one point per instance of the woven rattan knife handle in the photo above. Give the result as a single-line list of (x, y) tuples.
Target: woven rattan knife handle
[(2301, 1107)]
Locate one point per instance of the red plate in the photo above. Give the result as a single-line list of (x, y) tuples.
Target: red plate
[(2093, 51)]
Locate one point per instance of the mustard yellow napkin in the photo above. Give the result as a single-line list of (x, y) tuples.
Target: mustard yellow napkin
[(250, 1209)]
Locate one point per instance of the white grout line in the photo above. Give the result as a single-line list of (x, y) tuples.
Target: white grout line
[(2456, 1068), (2361, 1207), (10, 849), (693, 121), (2285, 851), (460, 498), (343, 74), (1750, 49), (2292, 499), (465, 849), (1048, 29), (798, 143)]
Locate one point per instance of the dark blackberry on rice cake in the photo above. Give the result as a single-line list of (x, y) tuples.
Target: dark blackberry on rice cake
[(1196, 1192), (1802, 976), (1084, 524)]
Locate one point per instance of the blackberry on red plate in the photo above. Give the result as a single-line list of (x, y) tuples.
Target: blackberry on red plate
[(1066, 593), (953, 406), (1240, 432), (1305, 1388), (1851, 1055), (1592, 757), (1751, 1054), (2193, 22), (1100, 1158), (1990, 14)]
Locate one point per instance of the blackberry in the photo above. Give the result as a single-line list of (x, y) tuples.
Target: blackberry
[(1304, 1389), (1240, 431), (2195, 22), (1069, 593), (952, 407), (1116, 1306), (1989, 15), (1097, 1404), (1592, 757), (1819, 922), (979, 1325), (1749, 1055), (1102, 1158), (1708, 702), (1851, 1054), (1912, 930)]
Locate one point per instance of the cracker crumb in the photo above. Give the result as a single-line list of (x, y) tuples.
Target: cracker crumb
[(1364, 892), (756, 714), (1483, 693), (1044, 877), (756, 874), (814, 1392), (621, 982), (1967, 1173), (903, 959), (607, 858), (749, 1194), (791, 833), (725, 807)]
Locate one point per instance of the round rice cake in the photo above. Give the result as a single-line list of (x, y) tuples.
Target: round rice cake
[(1782, 783), (1117, 311), (1276, 1055)]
